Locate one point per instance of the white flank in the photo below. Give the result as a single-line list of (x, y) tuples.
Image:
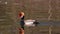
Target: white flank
[(29, 22)]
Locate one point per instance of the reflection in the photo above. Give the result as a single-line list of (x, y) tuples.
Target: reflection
[(5, 2)]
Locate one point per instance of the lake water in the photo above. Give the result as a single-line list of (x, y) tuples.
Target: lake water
[(50, 23)]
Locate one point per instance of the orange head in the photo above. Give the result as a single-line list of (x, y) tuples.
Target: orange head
[(21, 14)]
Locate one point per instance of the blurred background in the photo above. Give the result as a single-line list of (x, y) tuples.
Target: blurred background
[(47, 12)]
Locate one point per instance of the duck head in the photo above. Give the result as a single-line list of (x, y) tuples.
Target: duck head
[(21, 14)]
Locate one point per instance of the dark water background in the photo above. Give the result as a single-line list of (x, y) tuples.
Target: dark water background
[(54, 23)]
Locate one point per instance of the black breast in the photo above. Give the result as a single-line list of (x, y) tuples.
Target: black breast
[(22, 22)]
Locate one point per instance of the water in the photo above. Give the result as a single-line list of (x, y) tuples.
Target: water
[(50, 23)]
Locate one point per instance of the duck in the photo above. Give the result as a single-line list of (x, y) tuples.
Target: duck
[(28, 22)]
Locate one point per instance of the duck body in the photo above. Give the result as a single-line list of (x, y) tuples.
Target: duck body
[(29, 22)]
